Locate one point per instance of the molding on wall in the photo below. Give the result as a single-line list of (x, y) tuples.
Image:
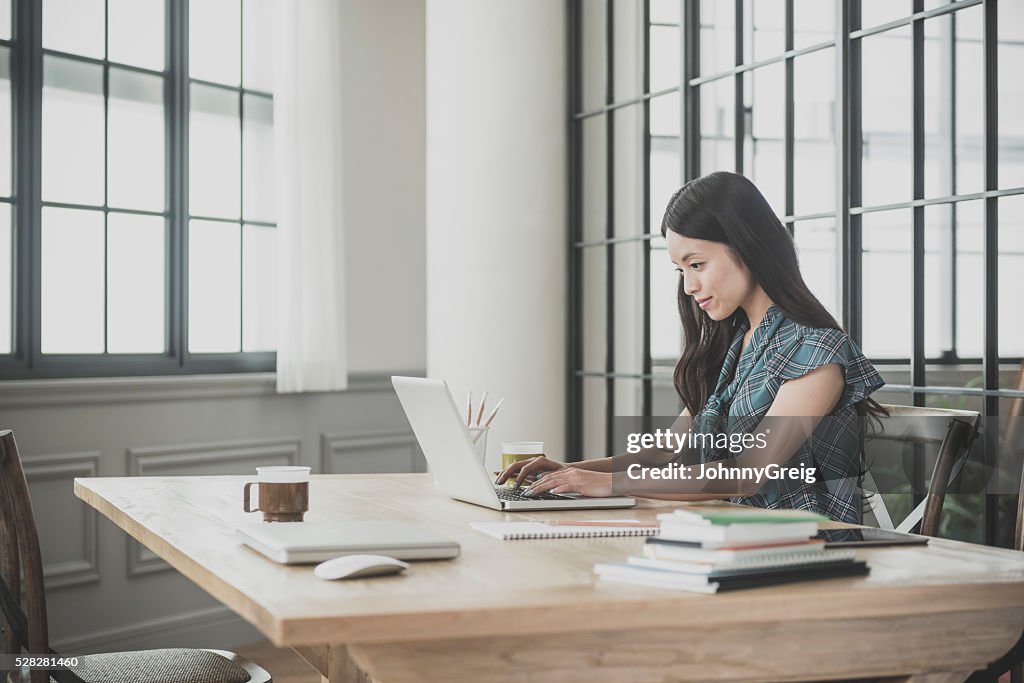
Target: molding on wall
[(332, 444), (209, 627), (67, 466), (179, 459), (103, 390)]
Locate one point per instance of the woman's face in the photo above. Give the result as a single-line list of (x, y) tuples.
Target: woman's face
[(717, 279)]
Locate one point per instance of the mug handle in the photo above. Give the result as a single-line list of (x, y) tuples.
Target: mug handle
[(245, 496)]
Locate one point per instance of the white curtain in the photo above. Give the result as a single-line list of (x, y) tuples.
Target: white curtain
[(307, 129)]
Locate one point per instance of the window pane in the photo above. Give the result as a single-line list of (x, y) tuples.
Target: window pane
[(664, 113), (1010, 49), (137, 32), (595, 404), (72, 281), (135, 283), (5, 19), (954, 285), (257, 56), (593, 302), (1011, 277), (628, 31), (953, 129), (886, 118), (665, 177), (214, 152), (717, 36), (666, 329), (665, 11), (135, 167), (5, 122), (939, 279), (814, 21), (765, 152), (717, 126), (594, 156), (970, 280), (592, 53), (258, 155), (820, 264), (887, 287), (628, 171), (5, 278), (214, 284), (72, 131), (629, 310), (814, 146), (259, 288), (214, 36), (769, 37), (665, 58), (74, 26)]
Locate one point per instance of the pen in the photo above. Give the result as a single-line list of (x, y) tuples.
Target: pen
[(469, 408), (490, 418), (480, 413)]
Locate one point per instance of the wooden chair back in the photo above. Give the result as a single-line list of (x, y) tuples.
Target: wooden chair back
[(953, 435), (21, 564)]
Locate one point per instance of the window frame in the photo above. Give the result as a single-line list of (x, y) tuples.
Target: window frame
[(26, 360), (847, 214)]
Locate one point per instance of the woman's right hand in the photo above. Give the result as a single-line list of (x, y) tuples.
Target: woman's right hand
[(525, 469)]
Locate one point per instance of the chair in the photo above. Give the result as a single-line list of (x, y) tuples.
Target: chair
[(953, 435), (21, 562)]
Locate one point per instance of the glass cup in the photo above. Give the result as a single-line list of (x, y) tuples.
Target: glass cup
[(514, 451)]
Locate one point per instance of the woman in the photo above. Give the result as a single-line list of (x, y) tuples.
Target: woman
[(760, 347)]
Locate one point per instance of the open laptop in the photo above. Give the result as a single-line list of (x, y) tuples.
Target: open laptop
[(454, 461)]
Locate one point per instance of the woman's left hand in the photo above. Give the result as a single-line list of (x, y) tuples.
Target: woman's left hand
[(574, 480)]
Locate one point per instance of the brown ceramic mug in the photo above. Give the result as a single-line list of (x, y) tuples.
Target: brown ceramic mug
[(282, 493)]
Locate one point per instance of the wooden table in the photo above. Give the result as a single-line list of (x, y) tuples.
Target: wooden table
[(517, 611)]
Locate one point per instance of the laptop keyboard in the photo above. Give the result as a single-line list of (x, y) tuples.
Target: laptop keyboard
[(511, 493)]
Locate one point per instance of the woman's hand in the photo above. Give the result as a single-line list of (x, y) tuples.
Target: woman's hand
[(525, 469), (574, 480)]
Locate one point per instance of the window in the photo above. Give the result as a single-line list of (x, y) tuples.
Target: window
[(137, 232), (887, 137)]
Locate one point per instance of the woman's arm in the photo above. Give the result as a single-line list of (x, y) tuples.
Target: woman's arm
[(803, 401)]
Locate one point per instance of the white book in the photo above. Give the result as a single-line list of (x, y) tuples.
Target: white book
[(508, 531), (684, 553), (722, 534), (655, 578), (763, 562)]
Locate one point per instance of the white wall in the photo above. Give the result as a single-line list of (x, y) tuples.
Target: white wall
[(383, 110), (496, 202)]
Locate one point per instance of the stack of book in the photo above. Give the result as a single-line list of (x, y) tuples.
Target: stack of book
[(715, 549)]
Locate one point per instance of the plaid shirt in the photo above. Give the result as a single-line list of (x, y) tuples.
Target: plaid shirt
[(781, 350)]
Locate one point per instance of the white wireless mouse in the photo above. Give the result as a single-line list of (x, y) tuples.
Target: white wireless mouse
[(358, 566)]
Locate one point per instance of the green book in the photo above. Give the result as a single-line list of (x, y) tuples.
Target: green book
[(751, 515)]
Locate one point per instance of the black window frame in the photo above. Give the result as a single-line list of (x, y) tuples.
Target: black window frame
[(848, 214), (26, 360)]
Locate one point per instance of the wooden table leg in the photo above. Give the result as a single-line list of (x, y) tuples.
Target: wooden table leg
[(334, 664)]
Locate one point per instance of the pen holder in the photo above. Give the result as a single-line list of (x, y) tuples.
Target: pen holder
[(478, 435)]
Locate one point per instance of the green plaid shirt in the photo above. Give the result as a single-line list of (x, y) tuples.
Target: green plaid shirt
[(781, 350)]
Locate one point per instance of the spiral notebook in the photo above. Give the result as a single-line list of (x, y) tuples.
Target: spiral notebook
[(510, 531)]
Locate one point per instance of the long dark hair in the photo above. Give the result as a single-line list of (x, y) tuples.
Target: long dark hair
[(727, 208)]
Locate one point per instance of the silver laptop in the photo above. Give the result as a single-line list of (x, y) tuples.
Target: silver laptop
[(454, 462)]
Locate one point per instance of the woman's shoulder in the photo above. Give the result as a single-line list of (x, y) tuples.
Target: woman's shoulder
[(801, 348), (792, 334)]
